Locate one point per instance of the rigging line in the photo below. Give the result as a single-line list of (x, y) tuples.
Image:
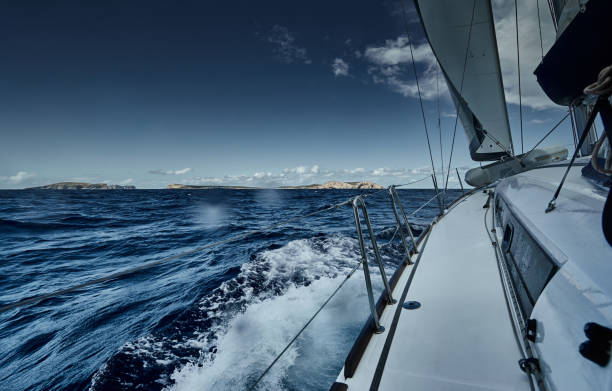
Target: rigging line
[(553, 15), (540, 28), (518, 64), (415, 181), (425, 204), (547, 134), (416, 78), (571, 113), (439, 123), (467, 50), (264, 373), (553, 202), (149, 265), (499, 144)]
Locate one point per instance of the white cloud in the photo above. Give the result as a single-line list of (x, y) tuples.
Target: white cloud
[(340, 67), (530, 50), (357, 170), (170, 172), (126, 181), (21, 176), (391, 64), (539, 121), (285, 47), (303, 175)]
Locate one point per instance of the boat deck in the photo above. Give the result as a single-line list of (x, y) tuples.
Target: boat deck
[(461, 338)]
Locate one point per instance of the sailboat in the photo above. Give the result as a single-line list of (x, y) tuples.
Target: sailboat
[(511, 287)]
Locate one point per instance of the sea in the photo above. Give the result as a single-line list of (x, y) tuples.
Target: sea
[(212, 319)]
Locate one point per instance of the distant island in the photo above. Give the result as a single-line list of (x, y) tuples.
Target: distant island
[(339, 185), (327, 185), (196, 187), (82, 186)]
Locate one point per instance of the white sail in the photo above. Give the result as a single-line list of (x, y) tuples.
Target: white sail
[(475, 84)]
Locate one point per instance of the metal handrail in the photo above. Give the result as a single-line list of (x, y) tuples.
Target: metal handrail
[(395, 201), (358, 202)]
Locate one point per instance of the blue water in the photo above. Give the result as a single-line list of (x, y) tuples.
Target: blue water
[(211, 320)]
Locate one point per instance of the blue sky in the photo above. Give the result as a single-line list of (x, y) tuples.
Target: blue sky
[(241, 93)]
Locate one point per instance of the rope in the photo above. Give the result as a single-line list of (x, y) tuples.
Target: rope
[(518, 64), (416, 78), (265, 372), (450, 159)]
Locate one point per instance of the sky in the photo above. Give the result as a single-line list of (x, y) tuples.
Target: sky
[(266, 93)]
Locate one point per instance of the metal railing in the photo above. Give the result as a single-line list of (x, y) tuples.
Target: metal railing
[(358, 202), (396, 202)]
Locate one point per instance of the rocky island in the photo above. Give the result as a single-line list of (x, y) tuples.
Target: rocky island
[(340, 185), (198, 187), (327, 185), (82, 186)]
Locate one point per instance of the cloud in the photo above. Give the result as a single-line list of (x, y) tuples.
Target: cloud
[(391, 64), (21, 176), (303, 175), (170, 172), (530, 50), (340, 67), (285, 47), (126, 181), (539, 121)]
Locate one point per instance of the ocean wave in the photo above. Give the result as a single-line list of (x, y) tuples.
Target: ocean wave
[(290, 279)]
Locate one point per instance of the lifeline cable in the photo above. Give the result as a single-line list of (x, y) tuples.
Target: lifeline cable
[(265, 372)]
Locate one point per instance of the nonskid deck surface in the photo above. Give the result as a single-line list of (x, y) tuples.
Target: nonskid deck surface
[(461, 337)]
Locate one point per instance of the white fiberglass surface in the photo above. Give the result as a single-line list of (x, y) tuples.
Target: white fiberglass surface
[(572, 231), (461, 338), (580, 292)]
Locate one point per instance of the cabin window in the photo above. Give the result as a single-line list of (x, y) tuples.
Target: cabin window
[(530, 268), (507, 240)]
